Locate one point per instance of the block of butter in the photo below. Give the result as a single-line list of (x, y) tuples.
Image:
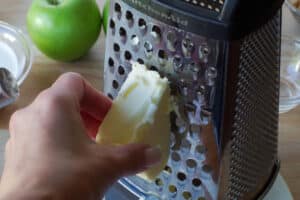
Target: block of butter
[(140, 114)]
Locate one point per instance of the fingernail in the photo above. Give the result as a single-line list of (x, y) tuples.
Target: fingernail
[(153, 156)]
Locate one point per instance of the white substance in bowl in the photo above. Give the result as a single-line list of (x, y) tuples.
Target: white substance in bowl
[(8, 60)]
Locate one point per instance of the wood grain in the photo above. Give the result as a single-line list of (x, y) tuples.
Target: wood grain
[(45, 71)]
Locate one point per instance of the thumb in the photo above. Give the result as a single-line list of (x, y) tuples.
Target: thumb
[(131, 159)]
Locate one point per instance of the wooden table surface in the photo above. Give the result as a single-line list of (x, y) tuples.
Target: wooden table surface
[(45, 71)]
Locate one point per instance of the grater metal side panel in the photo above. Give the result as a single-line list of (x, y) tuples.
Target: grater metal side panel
[(253, 151)]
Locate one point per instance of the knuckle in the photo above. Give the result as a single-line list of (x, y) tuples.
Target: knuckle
[(70, 78), (47, 102), (15, 119), (7, 145), (43, 96), (118, 161), (107, 154), (8, 150)]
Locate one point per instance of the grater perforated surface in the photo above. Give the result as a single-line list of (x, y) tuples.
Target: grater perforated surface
[(191, 63), (254, 142)]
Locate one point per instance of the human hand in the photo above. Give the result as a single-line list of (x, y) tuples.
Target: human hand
[(50, 155)]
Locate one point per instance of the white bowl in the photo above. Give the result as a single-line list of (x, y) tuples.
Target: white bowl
[(15, 51), (16, 57), (294, 10), (290, 74)]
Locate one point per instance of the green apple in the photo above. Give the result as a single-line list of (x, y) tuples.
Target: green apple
[(106, 14), (64, 29)]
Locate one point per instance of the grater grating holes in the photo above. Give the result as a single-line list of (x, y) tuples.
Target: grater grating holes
[(200, 150), (188, 47), (115, 84), (171, 41), (118, 8), (187, 195), (112, 24), (196, 182), (153, 68), (194, 131), (156, 33), (121, 70), (177, 63), (123, 34), (110, 96), (191, 165), (211, 75), (181, 176), (116, 47), (162, 57), (159, 184), (195, 128), (173, 140), (168, 169), (111, 62), (175, 157), (135, 42), (127, 55), (162, 54), (141, 61), (205, 114), (172, 191), (202, 4), (204, 49), (142, 25), (185, 146), (148, 49), (182, 130), (201, 91), (129, 15), (207, 169), (203, 53)]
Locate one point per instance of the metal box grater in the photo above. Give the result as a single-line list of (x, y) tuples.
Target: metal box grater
[(222, 59)]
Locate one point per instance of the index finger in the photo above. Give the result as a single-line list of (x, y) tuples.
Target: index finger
[(83, 95)]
